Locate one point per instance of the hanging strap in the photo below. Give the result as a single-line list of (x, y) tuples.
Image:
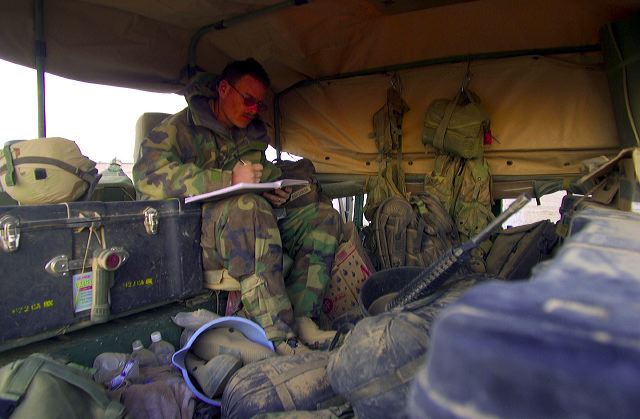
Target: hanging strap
[(438, 140)]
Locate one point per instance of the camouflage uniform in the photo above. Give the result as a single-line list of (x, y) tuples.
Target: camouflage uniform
[(191, 153)]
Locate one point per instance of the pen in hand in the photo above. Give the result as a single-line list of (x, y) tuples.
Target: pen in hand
[(246, 172)]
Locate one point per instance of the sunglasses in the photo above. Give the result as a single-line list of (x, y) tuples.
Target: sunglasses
[(250, 101)]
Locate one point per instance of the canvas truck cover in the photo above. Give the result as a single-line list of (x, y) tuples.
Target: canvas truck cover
[(537, 65)]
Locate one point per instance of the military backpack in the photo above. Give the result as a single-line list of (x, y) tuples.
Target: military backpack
[(412, 232), (463, 186), (39, 387)]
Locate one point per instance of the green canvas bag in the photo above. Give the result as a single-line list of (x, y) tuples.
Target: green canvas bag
[(387, 133), (413, 232), (41, 387), (463, 186), (457, 126)]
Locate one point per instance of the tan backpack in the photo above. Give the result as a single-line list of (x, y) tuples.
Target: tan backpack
[(45, 171)]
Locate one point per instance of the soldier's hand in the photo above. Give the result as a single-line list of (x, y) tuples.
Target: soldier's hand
[(278, 196), (248, 173)]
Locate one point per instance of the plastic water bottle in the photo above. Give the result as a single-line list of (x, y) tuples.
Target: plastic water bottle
[(163, 349), (185, 336), (109, 365), (144, 356)]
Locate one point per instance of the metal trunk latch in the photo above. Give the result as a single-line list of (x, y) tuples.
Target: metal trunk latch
[(151, 220), (9, 233)]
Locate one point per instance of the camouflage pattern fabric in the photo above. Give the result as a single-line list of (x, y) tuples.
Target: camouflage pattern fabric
[(240, 234), (191, 153), (310, 236)]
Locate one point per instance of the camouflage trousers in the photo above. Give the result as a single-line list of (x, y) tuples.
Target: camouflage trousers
[(241, 235)]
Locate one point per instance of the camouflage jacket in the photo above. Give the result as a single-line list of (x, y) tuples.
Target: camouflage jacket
[(190, 152)]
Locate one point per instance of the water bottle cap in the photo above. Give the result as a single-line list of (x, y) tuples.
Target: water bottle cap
[(137, 345), (156, 337)]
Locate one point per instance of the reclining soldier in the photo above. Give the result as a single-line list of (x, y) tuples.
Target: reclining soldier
[(218, 141)]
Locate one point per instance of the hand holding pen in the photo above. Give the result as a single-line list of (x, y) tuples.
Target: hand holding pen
[(246, 172)]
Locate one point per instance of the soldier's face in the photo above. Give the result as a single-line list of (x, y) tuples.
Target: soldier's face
[(240, 102)]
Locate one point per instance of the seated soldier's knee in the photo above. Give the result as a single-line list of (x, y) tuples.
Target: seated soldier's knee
[(244, 204)]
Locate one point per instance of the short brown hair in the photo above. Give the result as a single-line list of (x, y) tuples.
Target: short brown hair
[(249, 67)]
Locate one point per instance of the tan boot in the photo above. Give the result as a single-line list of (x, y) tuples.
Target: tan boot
[(311, 335), (291, 347)]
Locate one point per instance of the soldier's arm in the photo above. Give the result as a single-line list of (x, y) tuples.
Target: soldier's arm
[(160, 173)]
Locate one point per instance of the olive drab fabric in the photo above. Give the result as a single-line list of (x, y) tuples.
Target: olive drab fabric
[(191, 153), (376, 381), (516, 250), (302, 194), (387, 132), (45, 171), (412, 232), (463, 186), (457, 126), (39, 387)]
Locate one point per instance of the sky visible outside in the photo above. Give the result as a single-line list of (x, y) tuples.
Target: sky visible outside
[(100, 119)]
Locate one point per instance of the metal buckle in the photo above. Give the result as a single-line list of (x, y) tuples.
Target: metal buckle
[(10, 233), (151, 220)]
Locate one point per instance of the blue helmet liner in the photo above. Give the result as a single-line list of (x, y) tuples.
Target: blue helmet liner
[(249, 329)]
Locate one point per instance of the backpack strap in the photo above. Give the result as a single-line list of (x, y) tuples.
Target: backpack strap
[(278, 380), (386, 382), (8, 158), (112, 409), (438, 139), (86, 176), (18, 384)]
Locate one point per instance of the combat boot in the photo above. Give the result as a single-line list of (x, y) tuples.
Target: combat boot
[(311, 335), (290, 347)]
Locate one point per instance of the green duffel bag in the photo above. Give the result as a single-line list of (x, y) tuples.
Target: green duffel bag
[(41, 387), (45, 171), (457, 126)]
